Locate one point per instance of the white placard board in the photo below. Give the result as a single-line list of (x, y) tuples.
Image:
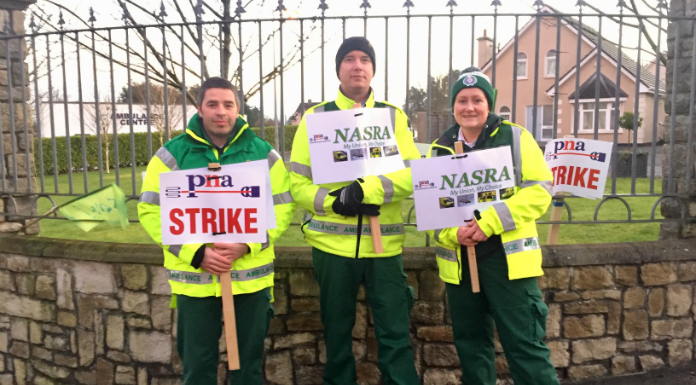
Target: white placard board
[(447, 189), (350, 144), (579, 166), (232, 205)]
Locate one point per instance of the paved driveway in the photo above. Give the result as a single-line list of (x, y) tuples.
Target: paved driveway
[(681, 376)]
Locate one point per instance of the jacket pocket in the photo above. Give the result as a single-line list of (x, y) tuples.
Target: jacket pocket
[(539, 312), (410, 297)]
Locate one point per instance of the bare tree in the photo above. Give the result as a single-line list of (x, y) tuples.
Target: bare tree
[(198, 40), (101, 120), (640, 21)]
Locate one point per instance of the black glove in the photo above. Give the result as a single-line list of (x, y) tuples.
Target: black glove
[(348, 199), (370, 210)]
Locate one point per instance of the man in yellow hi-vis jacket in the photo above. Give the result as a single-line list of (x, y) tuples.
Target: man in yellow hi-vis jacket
[(217, 134), (342, 250)]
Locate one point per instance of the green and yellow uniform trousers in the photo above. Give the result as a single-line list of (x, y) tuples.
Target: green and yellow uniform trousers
[(516, 309), (198, 330), (390, 299)]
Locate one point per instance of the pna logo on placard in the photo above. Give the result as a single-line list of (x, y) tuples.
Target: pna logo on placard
[(211, 184), (424, 184), (318, 138), (578, 146)]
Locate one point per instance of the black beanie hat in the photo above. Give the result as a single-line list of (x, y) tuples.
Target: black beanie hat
[(355, 43)]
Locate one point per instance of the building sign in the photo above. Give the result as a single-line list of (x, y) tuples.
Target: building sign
[(54, 119), (447, 189)]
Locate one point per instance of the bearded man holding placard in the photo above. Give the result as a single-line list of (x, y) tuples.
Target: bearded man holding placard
[(216, 137), (342, 250), (507, 247)]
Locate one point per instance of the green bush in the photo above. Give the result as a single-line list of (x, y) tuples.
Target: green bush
[(124, 149), (269, 135)]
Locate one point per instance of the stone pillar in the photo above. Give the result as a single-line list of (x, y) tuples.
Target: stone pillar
[(672, 209), (17, 166)]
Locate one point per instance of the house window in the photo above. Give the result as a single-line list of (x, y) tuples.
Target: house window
[(543, 129), (607, 116), (522, 65), (505, 113), (551, 60)]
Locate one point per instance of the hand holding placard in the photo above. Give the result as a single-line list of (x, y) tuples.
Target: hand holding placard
[(375, 230), (227, 305), (470, 250)]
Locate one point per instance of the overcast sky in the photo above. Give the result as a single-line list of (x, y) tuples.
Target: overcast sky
[(108, 14)]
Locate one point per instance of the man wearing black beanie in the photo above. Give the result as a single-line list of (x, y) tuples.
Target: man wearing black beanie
[(342, 251)]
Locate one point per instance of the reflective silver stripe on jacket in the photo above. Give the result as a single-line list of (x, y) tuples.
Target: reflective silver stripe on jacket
[(266, 244), (167, 158), (344, 229), (392, 115), (150, 197), (517, 153), (446, 254), (189, 277), (388, 187), (437, 234), (505, 216), (520, 245), (319, 109), (273, 157), (282, 198), (546, 184), (407, 163), (301, 169), (251, 274), (206, 278), (319, 200), (175, 249)]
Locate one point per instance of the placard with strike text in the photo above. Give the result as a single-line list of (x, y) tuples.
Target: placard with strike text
[(579, 166), (350, 144), (233, 205), (447, 189)]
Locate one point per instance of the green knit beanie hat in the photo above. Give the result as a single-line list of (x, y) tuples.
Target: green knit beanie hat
[(472, 77)]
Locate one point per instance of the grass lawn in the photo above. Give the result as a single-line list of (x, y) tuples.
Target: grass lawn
[(582, 209)]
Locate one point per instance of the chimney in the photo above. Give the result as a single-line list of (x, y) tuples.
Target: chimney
[(485, 49)]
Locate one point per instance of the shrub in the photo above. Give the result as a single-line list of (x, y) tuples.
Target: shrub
[(124, 149)]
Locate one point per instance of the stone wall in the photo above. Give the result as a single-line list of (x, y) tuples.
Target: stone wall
[(98, 313), (673, 208), (15, 137)]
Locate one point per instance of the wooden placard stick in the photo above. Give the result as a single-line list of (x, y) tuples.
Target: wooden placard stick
[(375, 230), (556, 215), (470, 250), (228, 309), (230, 323)]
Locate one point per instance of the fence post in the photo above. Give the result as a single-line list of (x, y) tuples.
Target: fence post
[(679, 153), (17, 132)]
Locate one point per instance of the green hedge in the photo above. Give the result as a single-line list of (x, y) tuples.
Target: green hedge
[(124, 152)]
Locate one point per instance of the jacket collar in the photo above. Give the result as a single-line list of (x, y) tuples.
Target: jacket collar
[(345, 103), (196, 131), (451, 135)]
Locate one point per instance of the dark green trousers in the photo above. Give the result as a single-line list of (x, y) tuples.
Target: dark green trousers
[(391, 301), (516, 309), (199, 327)]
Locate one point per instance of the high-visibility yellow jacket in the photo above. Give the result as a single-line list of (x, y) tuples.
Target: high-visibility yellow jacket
[(335, 233), (254, 271), (510, 224)]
